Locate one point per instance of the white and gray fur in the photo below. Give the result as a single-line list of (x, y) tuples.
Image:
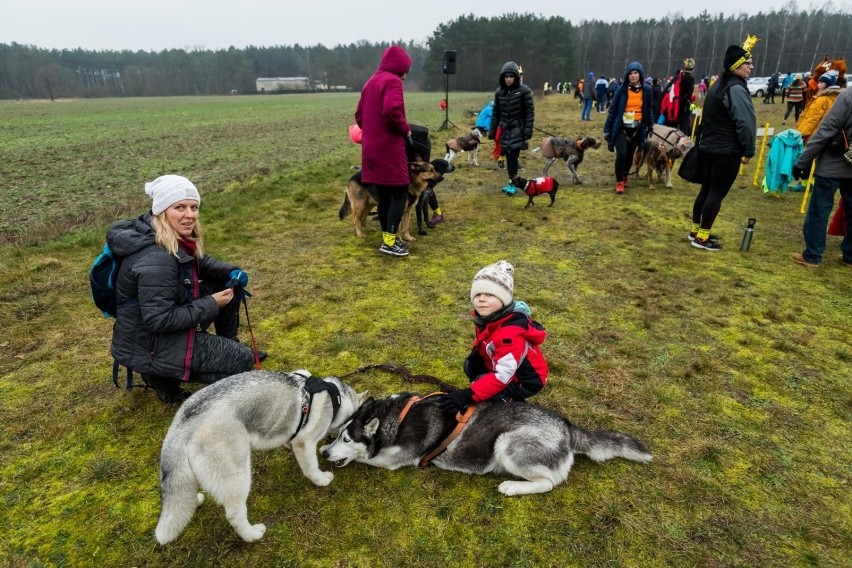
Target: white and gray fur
[(519, 439), (469, 143), (209, 443)]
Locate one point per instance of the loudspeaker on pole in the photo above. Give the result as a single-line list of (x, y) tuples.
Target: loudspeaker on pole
[(449, 64)]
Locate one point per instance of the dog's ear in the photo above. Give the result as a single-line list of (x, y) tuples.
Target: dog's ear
[(361, 397), (371, 427)]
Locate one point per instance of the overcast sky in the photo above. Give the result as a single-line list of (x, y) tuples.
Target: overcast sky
[(154, 25)]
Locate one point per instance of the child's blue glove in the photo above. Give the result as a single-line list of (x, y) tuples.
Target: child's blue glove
[(238, 278), (522, 307)]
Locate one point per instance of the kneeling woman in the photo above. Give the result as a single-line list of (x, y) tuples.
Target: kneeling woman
[(168, 293)]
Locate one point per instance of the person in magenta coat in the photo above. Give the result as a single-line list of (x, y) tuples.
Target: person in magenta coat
[(385, 132)]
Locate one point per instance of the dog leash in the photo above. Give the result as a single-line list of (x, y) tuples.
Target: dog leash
[(251, 333), (546, 132), (461, 422)]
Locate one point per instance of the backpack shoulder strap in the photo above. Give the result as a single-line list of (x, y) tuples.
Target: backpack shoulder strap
[(129, 381)]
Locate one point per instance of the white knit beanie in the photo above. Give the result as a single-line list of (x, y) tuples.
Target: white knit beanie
[(496, 279), (168, 190)]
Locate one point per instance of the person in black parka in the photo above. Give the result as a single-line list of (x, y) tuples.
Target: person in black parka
[(514, 114), (168, 292)]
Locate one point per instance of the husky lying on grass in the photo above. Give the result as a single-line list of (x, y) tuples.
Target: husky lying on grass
[(211, 437), (520, 439)]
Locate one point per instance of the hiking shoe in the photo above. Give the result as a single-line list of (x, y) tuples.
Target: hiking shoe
[(509, 189), (397, 249), (799, 259), (619, 187), (707, 244), (436, 218), (693, 236), (844, 261)]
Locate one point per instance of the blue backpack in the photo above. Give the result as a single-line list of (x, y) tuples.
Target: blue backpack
[(102, 276)]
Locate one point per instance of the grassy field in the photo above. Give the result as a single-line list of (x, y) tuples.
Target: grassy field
[(732, 367)]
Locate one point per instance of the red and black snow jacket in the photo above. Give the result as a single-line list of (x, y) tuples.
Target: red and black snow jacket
[(506, 352)]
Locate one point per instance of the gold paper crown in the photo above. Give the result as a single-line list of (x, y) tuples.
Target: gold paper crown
[(750, 42)]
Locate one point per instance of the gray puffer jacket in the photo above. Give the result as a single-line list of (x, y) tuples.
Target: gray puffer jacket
[(513, 111), (158, 305)]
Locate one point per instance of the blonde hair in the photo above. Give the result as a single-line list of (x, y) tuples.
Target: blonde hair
[(168, 239)]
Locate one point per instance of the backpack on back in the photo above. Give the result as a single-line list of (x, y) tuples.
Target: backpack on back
[(102, 276), (670, 106)]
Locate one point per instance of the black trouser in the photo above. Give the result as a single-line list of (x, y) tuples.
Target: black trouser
[(719, 174), (214, 357), (626, 142), (797, 106), (392, 200), (512, 162)]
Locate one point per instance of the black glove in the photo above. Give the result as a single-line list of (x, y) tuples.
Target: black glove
[(801, 173), (456, 401)]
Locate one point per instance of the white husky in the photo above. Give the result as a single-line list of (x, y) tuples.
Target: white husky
[(211, 437)]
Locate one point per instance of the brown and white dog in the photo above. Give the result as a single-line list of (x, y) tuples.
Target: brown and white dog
[(537, 186), (469, 144), (665, 144), (360, 198), (570, 150)]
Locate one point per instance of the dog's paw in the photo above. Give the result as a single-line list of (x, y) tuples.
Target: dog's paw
[(322, 478), (255, 532)]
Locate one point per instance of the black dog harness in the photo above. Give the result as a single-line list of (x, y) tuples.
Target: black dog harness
[(312, 387)]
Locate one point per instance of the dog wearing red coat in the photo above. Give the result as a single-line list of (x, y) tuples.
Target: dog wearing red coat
[(537, 186)]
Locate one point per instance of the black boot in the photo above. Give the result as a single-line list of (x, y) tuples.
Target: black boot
[(168, 390)]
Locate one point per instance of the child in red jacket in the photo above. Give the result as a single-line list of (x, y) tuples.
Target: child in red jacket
[(505, 362)]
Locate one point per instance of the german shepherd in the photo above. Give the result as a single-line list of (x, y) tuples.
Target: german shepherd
[(361, 198)]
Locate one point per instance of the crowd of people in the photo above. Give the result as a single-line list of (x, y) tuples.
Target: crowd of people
[(169, 292)]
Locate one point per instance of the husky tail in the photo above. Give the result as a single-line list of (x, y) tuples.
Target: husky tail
[(344, 209), (602, 445), (179, 496)]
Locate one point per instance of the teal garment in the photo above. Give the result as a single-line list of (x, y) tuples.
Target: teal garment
[(783, 152)]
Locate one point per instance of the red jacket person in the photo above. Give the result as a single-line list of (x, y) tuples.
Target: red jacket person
[(506, 362)]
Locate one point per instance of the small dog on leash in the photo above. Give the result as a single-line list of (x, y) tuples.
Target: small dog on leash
[(570, 150), (469, 144), (665, 144), (537, 186), (212, 435), (655, 159)]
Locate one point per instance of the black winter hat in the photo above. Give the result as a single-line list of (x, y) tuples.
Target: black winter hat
[(733, 54)]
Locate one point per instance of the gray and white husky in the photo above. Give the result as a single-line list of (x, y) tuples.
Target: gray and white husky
[(211, 437), (519, 439)]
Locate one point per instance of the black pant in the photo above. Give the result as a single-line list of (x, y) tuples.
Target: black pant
[(626, 143), (719, 174), (797, 106), (392, 200), (512, 162)]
